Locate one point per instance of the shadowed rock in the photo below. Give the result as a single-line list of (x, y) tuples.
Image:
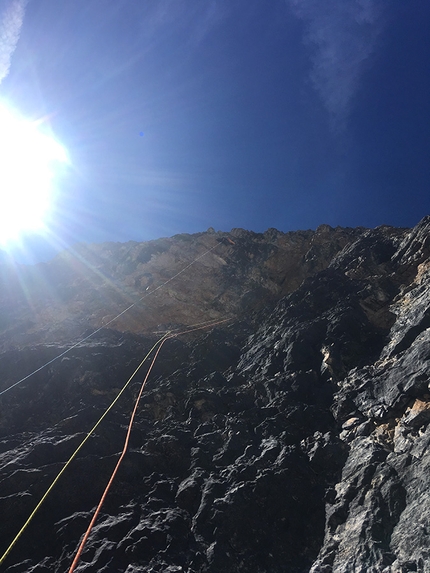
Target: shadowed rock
[(293, 438)]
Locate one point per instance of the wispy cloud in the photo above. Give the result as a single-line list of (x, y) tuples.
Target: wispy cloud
[(11, 19), (343, 35)]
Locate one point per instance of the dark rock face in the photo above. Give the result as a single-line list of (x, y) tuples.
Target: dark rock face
[(293, 438)]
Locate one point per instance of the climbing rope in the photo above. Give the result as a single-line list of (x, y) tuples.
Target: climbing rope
[(82, 340), (158, 343), (127, 438)]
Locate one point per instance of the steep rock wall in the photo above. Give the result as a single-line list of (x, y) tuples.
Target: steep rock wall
[(88, 286), (293, 438)]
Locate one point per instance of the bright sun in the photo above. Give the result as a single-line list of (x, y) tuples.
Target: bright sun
[(28, 159)]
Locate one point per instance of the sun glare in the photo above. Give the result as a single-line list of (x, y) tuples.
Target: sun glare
[(28, 161)]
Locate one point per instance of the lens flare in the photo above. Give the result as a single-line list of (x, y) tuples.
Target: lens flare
[(29, 159)]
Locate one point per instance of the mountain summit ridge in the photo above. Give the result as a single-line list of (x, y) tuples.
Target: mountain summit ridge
[(90, 284), (291, 438)]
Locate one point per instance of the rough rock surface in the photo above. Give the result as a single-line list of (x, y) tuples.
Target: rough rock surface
[(292, 438)]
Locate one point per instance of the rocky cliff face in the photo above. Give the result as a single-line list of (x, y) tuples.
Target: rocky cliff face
[(292, 438)]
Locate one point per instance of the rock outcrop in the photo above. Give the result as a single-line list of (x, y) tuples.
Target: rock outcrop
[(292, 438)]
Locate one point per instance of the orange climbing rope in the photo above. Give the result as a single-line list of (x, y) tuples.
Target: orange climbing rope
[(127, 438)]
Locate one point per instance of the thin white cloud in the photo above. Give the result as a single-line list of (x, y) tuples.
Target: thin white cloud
[(11, 19), (343, 35)]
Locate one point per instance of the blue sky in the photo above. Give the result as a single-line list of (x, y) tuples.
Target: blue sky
[(179, 115)]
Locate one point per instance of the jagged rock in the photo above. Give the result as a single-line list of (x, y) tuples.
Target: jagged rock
[(294, 437)]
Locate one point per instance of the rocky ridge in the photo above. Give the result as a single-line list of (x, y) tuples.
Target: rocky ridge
[(293, 438)]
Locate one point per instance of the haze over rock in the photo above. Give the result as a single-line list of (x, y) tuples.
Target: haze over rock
[(291, 438)]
